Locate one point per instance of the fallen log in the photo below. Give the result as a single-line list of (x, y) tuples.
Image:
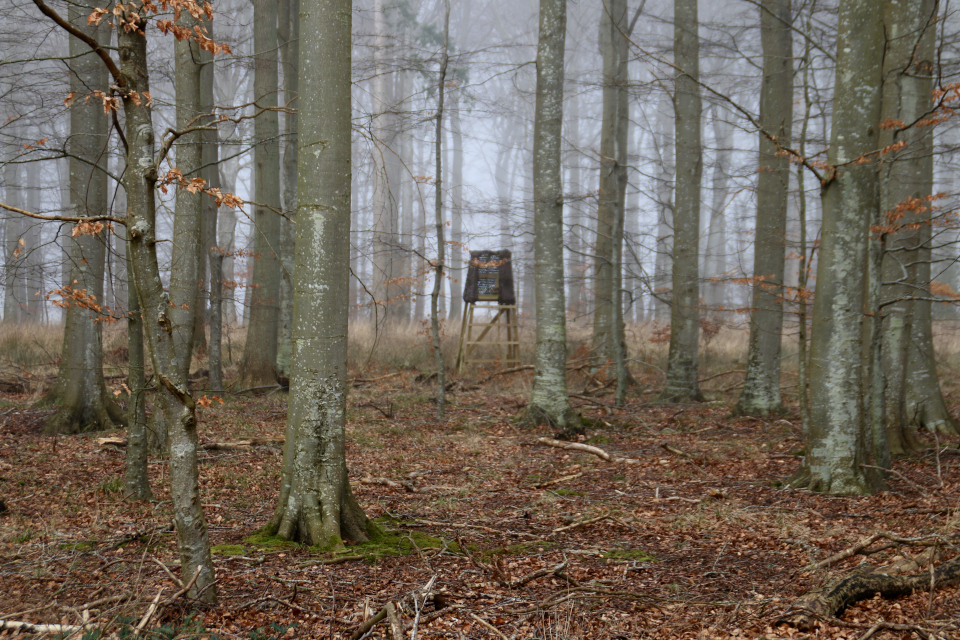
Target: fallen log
[(239, 445), (890, 581)]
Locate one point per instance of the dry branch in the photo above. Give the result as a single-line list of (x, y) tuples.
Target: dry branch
[(890, 581), (577, 446), (550, 483), (239, 445)]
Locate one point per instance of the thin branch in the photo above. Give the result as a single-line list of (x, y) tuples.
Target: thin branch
[(83, 37)]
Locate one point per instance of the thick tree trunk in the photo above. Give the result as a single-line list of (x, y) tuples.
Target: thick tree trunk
[(549, 402), (715, 256), (838, 442), (682, 366), (906, 179), (80, 390), (613, 171), (260, 351), (169, 334), (761, 391), (316, 505)]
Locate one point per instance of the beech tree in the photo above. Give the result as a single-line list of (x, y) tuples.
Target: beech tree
[(258, 367), (761, 391), (316, 505), (682, 361), (80, 390), (549, 402), (838, 441)]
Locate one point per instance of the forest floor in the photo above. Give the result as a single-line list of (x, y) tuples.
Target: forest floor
[(698, 539)]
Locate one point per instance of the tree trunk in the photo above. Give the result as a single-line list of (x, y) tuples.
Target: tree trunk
[(211, 173), (613, 171), (260, 351), (838, 443), (665, 187), (169, 334), (289, 35), (549, 402), (715, 258), (438, 276), (682, 368), (316, 505), (136, 478), (456, 269), (80, 390), (761, 391)]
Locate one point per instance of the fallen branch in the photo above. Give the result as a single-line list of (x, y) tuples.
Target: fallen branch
[(890, 581), (578, 446), (550, 483), (539, 573), (239, 445), (524, 367), (581, 523), (29, 627), (488, 626), (386, 482), (861, 547), (464, 525)]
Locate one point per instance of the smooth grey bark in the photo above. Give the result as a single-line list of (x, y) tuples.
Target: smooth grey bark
[(80, 390), (549, 401), (839, 442), (258, 367), (289, 36), (438, 220), (169, 334), (715, 254), (456, 268), (210, 154), (227, 232), (136, 478), (664, 191), (405, 244), (912, 396), (385, 161), (32, 263), (761, 391), (613, 172), (578, 266), (13, 225), (316, 504), (682, 360)]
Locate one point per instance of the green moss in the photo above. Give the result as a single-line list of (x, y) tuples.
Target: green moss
[(83, 545), (522, 548), (599, 440), (395, 542), (567, 492), (637, 555), (267, 541), (228, 550)]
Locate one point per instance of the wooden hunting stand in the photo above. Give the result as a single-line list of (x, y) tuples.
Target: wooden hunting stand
[(489, 286)]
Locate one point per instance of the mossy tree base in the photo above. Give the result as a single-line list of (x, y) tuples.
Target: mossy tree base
[(78, 413), (568, 425)]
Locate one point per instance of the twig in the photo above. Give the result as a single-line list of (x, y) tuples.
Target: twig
[(488, 625), (577, 446), (396, 628), (150, 611), (175, 579), (369, 624), (581, 523), (186, 587), (524, 367), (898, 474), (539, 573), (544, 485)]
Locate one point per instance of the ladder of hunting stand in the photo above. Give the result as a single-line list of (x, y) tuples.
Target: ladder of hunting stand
[(501, 332)]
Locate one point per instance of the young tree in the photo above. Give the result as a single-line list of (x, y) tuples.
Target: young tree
[(761, 391), (80, 390), (838, 441), (549, 402), (316, 504), (682, 369)]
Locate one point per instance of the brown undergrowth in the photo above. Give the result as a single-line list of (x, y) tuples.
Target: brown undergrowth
[(690, 535)]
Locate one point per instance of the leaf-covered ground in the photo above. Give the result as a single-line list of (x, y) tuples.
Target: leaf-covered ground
[(698, 539)]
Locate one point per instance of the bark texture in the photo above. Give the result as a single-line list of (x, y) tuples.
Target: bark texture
[(316, 504), (549, 402), (761, 391), (80, 390), (260, 352), (682, 361), (169, 335), (613, 172), (838, 440)]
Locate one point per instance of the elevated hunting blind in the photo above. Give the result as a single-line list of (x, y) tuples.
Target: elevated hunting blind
[(489, 286)]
